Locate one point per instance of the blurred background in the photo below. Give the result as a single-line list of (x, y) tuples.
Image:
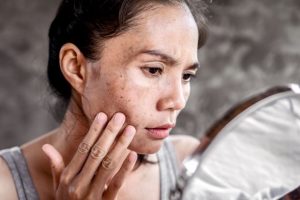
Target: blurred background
[(253, 45)]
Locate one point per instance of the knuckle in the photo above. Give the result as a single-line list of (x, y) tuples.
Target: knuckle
[(127, 166), (75, 191), (116, 185), (110, 129), (91, 196), (123, 141), (96, 129), (65, 179)]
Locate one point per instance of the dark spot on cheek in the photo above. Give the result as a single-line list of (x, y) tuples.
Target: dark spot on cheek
[(121, 97), (131, 50)]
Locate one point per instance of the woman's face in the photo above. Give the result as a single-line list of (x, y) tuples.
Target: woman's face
[(145, 73)]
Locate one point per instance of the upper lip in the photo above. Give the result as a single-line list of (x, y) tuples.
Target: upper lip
[(164, 126)]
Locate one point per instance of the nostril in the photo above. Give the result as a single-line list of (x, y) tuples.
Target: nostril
[(180, 104), (171, 104)]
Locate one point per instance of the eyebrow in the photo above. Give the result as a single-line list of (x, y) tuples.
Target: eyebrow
[(168, 59)]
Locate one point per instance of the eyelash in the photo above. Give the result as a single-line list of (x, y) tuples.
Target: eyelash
[(156, 71), (191, 76), (153, 71)]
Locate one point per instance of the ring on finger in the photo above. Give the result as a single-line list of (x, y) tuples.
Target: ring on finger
[(108, 163), (84, 147), (98, 152)]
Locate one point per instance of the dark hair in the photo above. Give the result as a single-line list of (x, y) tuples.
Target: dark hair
[(87, 23)]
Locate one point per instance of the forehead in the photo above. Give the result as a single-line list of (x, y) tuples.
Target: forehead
[(168, 28)]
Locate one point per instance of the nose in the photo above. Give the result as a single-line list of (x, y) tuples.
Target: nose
[(173, 97)]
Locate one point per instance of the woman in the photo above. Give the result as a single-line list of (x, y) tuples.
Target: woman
[(122, 69)]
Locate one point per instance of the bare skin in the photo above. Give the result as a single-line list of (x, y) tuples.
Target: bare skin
[(142, 79)]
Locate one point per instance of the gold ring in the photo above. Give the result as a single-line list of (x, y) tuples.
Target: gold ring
[(98, 152), (108, 163), (84, 147)]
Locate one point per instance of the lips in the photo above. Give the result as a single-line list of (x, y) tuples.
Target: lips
[(160, 132)]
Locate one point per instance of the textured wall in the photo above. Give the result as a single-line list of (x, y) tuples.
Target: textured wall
[(253, 44)]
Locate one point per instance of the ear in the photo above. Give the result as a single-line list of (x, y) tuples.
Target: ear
[(73, 66)]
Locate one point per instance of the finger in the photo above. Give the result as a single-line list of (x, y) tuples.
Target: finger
[(118, 180), (84, 147), (113, 159), (102, 146), (119, 165), (57, 163), (110, 162)]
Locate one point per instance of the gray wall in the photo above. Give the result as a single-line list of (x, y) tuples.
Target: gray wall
[(253, 44)]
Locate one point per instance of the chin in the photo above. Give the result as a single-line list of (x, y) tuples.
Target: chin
[(150, 147)]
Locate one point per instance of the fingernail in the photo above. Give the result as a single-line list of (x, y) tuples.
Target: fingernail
[(101, 117), (129, 131), (119, 119), (132, 157), (45, 147)]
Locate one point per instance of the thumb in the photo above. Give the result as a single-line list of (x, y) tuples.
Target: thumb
[(56, 161)]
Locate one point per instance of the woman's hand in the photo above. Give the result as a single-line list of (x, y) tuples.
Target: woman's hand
[(100, 165)]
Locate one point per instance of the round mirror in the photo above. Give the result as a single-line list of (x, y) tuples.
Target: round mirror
[(252, 153)]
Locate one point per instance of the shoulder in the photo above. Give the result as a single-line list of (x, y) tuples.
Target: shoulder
[(184, 145), (7, 186)]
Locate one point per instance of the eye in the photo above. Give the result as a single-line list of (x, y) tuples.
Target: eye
[(188, 76), (153, 71)]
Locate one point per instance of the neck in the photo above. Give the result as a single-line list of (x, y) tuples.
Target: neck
[(71, 132), (65, 139), (68, 136)]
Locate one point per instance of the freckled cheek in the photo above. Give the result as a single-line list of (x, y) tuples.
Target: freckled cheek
[(134, 101), (127, 92), (132, 105)]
